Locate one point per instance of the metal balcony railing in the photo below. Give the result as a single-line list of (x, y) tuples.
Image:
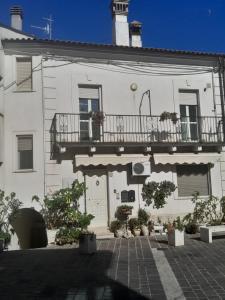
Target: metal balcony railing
[(119, 129)]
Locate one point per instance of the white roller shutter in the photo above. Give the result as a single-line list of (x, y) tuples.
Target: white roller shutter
[(188, 98), (88, 92), (193, 178), (25, 143), (24, 73)]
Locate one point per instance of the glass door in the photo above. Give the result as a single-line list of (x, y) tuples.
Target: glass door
[(189, 122), (88, 129)]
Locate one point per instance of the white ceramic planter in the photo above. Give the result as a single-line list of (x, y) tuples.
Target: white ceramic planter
[(144, 230), (136, 232), (51, 233), (176, 238), (87, 244)]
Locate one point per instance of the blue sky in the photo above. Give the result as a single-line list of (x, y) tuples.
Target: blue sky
[(174, 24)]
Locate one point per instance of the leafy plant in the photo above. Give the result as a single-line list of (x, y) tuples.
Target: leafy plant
[(98, 117), (8, 207), (191, 228), (178, 224), (123, 211), (222, 204), (157, 192), (143, 217), (61, 208), (133, 224), (67, 235), (115, 226), (210, 210), (169, 116)]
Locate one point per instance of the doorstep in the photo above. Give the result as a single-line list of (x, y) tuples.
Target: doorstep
[(102, 233)]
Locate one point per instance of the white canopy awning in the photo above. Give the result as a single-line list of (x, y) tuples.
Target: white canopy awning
[(186, 158), (113, 159)]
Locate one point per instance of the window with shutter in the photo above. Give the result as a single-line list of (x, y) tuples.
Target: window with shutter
[(24, 73), (193, 178), (25, 152)]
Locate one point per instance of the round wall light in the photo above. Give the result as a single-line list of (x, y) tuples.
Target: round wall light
[(133, 87)]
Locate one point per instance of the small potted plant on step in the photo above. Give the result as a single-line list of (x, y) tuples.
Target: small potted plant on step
[(143, 218), (115, 227), (175, 233), (134, 226)]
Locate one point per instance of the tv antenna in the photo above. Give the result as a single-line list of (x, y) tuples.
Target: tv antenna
[(48, 28)]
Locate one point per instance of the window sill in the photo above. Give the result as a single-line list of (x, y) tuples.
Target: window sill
[(25, 171), (190, 197), (32, 91)]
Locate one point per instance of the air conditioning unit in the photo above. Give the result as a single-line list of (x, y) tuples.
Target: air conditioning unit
[(141, 168)]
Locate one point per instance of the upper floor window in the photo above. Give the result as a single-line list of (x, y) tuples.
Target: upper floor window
[(24, 74), (88, 102), (193, 178), (189, 115), (25, 152)]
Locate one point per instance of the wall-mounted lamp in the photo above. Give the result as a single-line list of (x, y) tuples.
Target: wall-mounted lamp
[(133, 87)]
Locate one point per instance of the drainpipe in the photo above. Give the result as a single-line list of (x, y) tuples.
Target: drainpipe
[(222, 91)]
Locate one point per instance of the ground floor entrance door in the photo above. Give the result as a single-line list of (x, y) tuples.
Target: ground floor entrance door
[(96, 197)]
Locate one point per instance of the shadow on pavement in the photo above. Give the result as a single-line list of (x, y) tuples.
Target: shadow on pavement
[(60, 274)]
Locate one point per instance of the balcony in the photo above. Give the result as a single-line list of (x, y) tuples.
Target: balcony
[(83, 130)]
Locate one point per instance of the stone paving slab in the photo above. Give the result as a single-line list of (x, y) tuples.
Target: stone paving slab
[(121, 269)]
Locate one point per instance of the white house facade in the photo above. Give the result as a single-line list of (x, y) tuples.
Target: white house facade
[(96, 113)]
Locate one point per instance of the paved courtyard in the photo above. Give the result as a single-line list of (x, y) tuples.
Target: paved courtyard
[(137, 268)]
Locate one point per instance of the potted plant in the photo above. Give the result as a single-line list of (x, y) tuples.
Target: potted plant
[(143, 218), (9, 205), (61, 214), (175, 233), (164, 116), (115, 227), (134, 226), (5, 239), (123, 211), (87, 242), (169, 116), (98, 117)]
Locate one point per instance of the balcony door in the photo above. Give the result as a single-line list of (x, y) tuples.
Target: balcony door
[(189, 116), (88, 102)]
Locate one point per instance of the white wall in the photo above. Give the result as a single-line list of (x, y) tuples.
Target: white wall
[(119, 181)]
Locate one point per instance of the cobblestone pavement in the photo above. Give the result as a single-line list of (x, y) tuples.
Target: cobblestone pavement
[(121, 269)]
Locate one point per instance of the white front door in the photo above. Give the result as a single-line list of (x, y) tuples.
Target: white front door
[(96, 198)]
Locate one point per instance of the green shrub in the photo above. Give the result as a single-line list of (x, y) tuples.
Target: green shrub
[(67, 236), (62, 207), (191, 228), (5, 236), (9, 205), (133, 224), (143, 217), (157, 192), (115, 225), (178, 224), (121, 212)]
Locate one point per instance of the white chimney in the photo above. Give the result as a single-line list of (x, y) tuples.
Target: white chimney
[(135, 34), (16, 17), (120, 23)]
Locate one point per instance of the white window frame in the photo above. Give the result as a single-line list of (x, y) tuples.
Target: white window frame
[(15, 152)]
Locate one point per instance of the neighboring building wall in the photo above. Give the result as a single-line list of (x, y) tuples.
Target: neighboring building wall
[(23, 116)]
